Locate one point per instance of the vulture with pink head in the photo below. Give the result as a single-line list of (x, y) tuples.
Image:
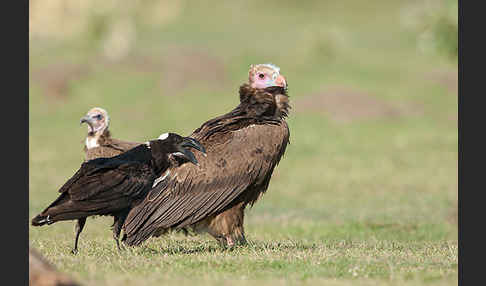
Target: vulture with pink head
[(243, 148)]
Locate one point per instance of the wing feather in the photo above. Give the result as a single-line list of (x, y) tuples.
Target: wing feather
[(107, 178)]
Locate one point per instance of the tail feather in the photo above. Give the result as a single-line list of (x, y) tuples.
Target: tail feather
[(45, 216), (41, 220)]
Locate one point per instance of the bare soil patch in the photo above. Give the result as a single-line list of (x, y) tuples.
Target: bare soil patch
[(445, 78), (346, 104), (55, 78), (185, 66), (453, 215), (178, 68)]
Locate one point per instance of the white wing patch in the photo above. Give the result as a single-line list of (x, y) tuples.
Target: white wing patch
[(163, 136)]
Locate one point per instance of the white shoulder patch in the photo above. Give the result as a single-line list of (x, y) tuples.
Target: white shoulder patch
[(164, 136)]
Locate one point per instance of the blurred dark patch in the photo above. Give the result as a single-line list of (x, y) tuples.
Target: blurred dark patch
[(55, 78), (346, 105), (435, 25), (446, 78), (445, 30)]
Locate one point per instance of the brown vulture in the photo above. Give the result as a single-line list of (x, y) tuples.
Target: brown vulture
[(111, 186), (99, 144), (243, 147)]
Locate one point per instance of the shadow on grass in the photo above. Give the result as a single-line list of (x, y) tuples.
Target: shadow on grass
[(193, 247)]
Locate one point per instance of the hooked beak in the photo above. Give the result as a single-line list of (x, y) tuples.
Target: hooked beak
[(87, 119), (191, 142), (184, 151), (280, 81)]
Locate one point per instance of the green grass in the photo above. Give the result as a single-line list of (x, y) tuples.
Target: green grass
[(369, 201)]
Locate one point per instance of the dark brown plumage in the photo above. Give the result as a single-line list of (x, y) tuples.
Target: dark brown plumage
[(243, 148), (111, 186)]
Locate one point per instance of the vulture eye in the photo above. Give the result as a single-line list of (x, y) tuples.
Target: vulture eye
[(261, 75), (98, 116)]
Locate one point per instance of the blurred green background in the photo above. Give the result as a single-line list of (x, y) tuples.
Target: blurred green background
[(367, 188)]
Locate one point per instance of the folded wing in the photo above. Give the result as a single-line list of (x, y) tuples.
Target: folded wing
[(236, 162)]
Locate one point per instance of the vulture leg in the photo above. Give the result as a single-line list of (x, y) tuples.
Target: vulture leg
[(227, 227), (184, 231), (119, 219), (221, 241), (236, 235), (78, 229)]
